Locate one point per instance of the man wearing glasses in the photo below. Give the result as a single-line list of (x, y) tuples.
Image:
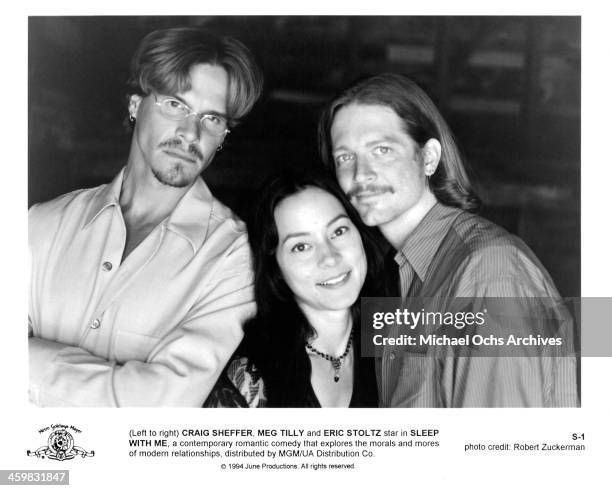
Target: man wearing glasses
[(139, 288)]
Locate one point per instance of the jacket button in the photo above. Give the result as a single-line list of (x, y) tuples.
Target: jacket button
[(106, 266), (95, 324)]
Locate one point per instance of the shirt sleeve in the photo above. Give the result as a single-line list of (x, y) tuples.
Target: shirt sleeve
[(181, 369)]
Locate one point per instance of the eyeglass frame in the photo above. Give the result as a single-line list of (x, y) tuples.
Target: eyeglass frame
[(200, 116)]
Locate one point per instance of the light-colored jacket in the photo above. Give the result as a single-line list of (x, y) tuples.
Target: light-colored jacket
[(155, 330)]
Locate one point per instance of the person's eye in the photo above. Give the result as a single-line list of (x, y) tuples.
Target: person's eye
[(174, 104), (300, 247), (382, 150), (343, 158), (340, 231)]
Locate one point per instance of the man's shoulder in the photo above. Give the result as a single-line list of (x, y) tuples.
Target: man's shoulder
[(223, 216), (225, 237), (491, 254), (479, 236), (74, 204)]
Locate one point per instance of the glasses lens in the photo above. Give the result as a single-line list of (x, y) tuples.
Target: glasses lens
[(174, 109), (217, 125)]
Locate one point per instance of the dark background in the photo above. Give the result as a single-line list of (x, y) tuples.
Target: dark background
[(508, 86)]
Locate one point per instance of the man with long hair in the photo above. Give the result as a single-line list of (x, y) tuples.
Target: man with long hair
[(139, 288), (395, 158)]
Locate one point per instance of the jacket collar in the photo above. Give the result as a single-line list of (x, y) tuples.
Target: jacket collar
[(105, 197), (189, 219)]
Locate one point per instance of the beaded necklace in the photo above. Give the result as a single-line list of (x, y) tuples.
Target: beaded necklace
[(336, 362)]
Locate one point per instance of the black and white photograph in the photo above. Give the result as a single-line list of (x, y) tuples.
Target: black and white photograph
[(322, 245), (369, 157)]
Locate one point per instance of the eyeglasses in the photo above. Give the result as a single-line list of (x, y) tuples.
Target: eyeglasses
[(173, 109)]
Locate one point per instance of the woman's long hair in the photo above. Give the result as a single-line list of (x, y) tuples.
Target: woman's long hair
[(275, 338)]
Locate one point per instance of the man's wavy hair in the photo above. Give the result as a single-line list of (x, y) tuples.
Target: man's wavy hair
[(422, 121), (164, 57)]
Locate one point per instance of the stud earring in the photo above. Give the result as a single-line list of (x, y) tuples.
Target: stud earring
[(132, 119)]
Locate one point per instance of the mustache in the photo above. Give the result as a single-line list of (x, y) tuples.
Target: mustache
[(192, 149), (368, 189)]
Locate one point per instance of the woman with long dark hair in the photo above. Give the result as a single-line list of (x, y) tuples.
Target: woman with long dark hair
[(313, 259)]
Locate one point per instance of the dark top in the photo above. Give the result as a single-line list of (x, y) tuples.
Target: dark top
[(242, 386)]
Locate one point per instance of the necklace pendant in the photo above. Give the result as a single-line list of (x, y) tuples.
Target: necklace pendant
[(336, 364)]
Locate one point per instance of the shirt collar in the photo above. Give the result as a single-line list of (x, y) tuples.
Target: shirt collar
[(104, 197), (189, 219), (422, 244)]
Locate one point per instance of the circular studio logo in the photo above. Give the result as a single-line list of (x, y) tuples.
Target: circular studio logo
[(60, 445)]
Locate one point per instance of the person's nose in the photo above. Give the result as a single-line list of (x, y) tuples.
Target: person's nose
[(329, 255), (189, 129), (363, 170)]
